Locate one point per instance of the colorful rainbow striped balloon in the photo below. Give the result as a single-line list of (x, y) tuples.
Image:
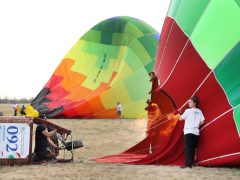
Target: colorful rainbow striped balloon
[(108, 64)]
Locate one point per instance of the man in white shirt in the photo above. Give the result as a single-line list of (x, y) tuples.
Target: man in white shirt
[(14, 106), (119, 109), (193, 118)]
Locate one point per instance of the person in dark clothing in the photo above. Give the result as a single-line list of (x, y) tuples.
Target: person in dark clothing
[(43, 143), (22, 111)]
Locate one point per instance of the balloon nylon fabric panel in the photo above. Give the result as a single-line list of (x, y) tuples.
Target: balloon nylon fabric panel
[(198, 54)]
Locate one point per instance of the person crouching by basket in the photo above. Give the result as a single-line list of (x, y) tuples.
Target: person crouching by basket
[(43, 143)]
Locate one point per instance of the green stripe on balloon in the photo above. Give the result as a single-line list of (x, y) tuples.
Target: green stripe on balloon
[(216, 21), (227, 74), (139, 49), (238, 2), (236, 114), (149, 67), (111, 25), (187, 13), (111, 28), (150, 44), (100, 49), (92, 35), (129, 56), (220, 28)]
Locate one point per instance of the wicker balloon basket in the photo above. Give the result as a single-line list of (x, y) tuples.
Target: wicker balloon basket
[(16, 140)]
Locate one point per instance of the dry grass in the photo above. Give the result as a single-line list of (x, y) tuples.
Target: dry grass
[(6, 109), (105, 137)]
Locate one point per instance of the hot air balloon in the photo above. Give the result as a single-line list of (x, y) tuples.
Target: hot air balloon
[(108, 64), (198, 54)]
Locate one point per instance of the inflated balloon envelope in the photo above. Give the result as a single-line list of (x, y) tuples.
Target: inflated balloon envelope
[(108, 64), (198, 54)]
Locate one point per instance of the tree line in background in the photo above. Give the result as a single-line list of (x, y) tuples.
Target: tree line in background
[(7, 100)]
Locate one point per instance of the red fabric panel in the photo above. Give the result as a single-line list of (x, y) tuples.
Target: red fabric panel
[(132, 155), (167, 58), (163, 153), (213, 101), (53, 81), (188, 74), (230, 160), (218, 139), (56, 93), (162, 43)]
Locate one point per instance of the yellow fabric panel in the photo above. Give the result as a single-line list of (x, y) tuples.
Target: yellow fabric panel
[(124, 71), (75, 52), (116, 93), (30, 111), (135, 110)]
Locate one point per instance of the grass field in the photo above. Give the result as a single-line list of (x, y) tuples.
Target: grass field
[(106, 137)]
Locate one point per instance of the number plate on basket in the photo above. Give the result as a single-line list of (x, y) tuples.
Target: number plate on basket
[(14, 140)]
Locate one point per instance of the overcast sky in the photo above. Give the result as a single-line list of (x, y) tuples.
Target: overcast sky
[(35, 35)]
